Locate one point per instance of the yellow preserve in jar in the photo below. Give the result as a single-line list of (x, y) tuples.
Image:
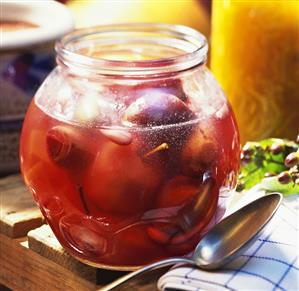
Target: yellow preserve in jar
[(255, 57)]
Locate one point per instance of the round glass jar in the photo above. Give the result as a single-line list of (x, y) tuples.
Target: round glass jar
[(129, 147)]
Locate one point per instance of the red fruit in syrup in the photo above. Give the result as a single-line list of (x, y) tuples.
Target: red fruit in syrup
[(199, 153), (119, 181), (68, 148), (154, 109)]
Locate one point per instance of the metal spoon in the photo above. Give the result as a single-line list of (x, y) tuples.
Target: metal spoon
[(224, 241)]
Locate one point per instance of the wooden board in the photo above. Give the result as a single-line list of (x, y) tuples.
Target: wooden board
[(23, 269), (19, 213), (43, 241)]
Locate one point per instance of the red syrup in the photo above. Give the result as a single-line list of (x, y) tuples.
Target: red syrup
[(130, 195)]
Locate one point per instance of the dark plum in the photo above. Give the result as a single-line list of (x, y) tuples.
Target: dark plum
[(162, 146), (168, 86), (126, 93), (153, 109), (200, 152)]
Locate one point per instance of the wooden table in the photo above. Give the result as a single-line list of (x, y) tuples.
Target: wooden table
[(32, 259)]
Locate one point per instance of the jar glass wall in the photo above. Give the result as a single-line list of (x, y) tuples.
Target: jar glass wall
[(130, 147)]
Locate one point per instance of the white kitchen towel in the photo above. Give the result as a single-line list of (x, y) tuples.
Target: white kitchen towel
[(271, 263)]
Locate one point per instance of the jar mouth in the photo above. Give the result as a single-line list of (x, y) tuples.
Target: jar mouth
[(132, 49)]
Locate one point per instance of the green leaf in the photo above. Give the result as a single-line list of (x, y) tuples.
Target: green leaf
[(272, 184), (260, 159)]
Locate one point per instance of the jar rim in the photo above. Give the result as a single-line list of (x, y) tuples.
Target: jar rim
[(192, 43)]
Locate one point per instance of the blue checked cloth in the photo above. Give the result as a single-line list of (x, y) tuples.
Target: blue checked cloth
[(271, 263)]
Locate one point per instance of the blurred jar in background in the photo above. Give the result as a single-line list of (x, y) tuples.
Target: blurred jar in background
[(255, 57), (194, 13)]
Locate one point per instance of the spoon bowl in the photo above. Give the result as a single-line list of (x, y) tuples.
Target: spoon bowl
[(224, 241), (235, 233)]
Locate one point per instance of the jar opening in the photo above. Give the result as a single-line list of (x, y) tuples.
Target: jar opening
[(132, 49)]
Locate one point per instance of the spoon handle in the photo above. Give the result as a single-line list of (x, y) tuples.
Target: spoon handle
[(154, 266)]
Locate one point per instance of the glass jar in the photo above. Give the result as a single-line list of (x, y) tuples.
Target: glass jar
[(255, 57), (130, 147)]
